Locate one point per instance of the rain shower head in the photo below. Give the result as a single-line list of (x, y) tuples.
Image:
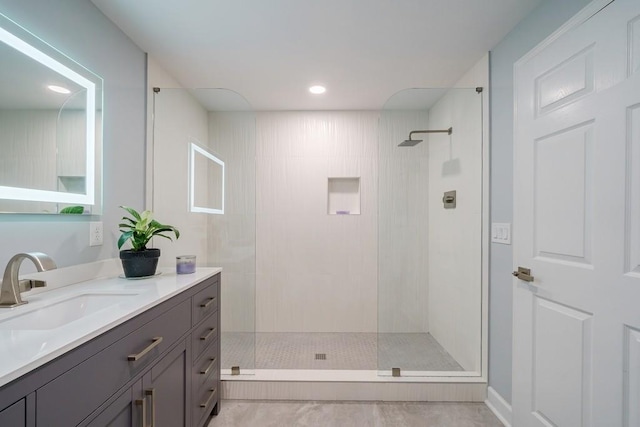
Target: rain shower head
[(411, 142)]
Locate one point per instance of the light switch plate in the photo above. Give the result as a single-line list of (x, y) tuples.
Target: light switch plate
[(95, 233), (501, 233)]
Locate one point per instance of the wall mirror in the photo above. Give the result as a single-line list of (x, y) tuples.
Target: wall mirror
[(50, 128), (206, 181)]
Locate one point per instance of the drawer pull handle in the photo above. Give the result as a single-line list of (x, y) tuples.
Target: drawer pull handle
[(208, 335), (156, 342), (208, 303), (206, 370), (143, 411), (213, 393), (152, 394)]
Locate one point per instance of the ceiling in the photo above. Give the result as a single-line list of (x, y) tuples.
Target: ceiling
[(271, 51)]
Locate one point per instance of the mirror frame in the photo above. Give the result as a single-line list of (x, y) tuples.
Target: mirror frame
[(17, 37), (195, 149)]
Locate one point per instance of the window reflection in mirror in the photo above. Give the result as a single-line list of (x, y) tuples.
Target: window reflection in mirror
[(50, 128), (206, 181)]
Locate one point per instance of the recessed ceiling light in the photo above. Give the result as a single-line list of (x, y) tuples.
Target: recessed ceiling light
[(59, 89), (317, 90)]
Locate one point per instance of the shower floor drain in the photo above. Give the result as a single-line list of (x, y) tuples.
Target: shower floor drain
[(321, 356)]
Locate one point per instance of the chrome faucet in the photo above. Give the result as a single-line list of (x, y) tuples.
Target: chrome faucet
[(12, 286)]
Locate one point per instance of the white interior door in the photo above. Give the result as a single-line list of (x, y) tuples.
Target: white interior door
[(577, 223)]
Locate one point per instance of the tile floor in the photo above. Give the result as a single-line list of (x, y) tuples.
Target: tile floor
[(239, 413), (353, 351)]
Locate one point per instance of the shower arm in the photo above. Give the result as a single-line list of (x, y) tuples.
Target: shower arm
[(447, 131)]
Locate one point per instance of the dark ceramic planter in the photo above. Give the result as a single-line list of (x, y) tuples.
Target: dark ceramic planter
[(139, 263)]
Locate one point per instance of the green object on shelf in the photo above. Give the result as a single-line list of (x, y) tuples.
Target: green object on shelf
[(72, 210)]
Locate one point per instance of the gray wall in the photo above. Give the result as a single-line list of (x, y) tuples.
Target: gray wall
[(80, 30), (540, 23)]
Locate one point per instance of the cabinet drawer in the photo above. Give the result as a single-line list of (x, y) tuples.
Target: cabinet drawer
[(90, 383), (206, 370), (204, 334), (203, 403), (205, 302)]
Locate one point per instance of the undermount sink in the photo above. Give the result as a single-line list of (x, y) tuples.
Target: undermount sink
[(66, 311)]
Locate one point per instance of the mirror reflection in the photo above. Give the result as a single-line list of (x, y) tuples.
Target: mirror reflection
[(50, 128)]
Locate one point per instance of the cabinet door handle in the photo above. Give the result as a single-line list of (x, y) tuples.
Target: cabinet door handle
[(206, 370), (208, 303), (213, 393), (133, 357), (208, 335), (152, 394), (143, 411)]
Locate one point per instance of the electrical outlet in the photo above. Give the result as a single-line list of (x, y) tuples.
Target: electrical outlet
[(95, 233)]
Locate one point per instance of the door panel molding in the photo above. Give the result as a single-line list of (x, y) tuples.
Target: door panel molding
[(562, 354), (633, 46), (565, 83), (562, 215), (632, 202), (631, 376)]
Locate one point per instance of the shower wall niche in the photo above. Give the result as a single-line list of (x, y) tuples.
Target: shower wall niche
[(343, 196)]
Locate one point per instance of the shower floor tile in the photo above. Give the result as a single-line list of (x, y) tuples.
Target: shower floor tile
[(348, 351), (414, 352)]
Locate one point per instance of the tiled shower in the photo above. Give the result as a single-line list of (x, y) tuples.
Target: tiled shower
[(337, 251)]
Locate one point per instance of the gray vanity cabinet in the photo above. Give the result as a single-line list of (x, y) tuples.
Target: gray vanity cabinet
[(15, 415), (159, 399), (123, 411), (166, 390), (160, 368), (205, 346)]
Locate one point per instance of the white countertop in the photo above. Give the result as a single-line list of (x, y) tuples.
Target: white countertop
[(22, 350)]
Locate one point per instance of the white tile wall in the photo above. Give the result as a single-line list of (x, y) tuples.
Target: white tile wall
[(232, 236), (28, 134), (54, 144), (403, 221), (455, 245), (315, 272)]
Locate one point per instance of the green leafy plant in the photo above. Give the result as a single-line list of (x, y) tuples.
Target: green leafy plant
[(140, 228)]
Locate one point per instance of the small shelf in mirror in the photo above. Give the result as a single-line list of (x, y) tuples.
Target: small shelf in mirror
[(72, 184), (343, 196)]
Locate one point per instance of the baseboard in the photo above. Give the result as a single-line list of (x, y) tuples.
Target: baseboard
[(498, 406), (354, 391)]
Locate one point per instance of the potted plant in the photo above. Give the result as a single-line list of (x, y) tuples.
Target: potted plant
[(140, 261)]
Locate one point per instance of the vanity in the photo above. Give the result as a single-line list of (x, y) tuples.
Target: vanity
[(112, 351)]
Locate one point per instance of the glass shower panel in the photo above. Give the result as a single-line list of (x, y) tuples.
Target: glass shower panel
[(430, 233), (221, 125)]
